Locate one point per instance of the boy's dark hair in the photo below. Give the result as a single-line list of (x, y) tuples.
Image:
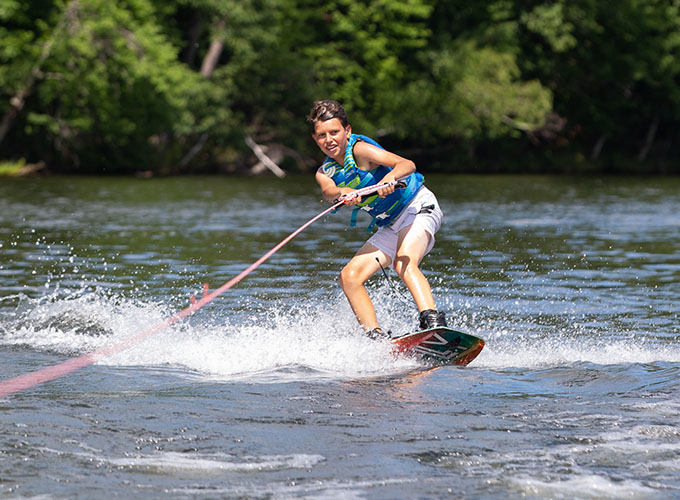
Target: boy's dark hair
[(327, 110)]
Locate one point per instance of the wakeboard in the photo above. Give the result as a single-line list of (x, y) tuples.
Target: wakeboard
[(440, 346)]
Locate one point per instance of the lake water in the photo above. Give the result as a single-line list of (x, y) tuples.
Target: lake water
[(271, 391)]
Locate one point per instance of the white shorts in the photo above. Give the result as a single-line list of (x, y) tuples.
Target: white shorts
[(423, 213)]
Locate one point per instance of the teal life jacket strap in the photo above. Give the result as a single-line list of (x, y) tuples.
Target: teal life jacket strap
[(370, 227), (353, 217)]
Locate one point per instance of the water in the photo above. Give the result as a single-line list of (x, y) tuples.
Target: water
[(271, 391)]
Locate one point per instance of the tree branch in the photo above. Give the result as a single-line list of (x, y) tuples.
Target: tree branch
[(266, 161)]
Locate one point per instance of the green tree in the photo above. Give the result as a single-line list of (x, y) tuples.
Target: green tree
[(111, 90), (359, 52), (258, 84), (21, 58), (467, 86), (90, 85), (614, 68)]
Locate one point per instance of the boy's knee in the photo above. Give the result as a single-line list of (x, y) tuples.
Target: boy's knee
[(349, 276), (345, 276)]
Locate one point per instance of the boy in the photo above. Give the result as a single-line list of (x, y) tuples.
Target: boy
[(407, 219)]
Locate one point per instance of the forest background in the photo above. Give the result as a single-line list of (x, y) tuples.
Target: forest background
[(201, 86)]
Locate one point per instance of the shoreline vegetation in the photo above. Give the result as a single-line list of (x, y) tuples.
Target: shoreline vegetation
[(20, 168), (177, 87)]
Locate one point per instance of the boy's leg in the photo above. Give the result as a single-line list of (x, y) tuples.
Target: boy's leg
[(414, 242), (352, 278), (411, 248)]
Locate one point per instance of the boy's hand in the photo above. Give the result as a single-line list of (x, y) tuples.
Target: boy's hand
[(348, 197), (388, 189)]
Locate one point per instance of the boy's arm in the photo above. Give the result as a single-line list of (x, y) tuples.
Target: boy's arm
[(370, 157)]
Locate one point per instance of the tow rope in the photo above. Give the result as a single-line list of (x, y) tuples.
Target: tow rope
[(31, 379)]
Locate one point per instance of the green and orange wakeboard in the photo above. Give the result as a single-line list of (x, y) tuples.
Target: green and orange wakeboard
[(440, 346)]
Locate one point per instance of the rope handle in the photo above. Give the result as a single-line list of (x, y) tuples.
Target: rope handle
[(399, 184)]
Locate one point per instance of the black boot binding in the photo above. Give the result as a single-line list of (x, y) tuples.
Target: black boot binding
[(430, 318)]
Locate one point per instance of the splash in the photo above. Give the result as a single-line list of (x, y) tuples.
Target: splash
[(282, 347), (286, 344), (74, 321), (545, 346)]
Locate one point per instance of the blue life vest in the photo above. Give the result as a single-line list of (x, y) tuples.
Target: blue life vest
[(383, 210)]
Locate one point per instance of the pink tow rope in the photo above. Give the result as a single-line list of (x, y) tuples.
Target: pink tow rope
[(48, 373)]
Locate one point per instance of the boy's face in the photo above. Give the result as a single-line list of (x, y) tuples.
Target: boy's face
[(331, 137)]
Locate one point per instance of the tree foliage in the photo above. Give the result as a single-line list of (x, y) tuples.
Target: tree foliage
[(176, 85)]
